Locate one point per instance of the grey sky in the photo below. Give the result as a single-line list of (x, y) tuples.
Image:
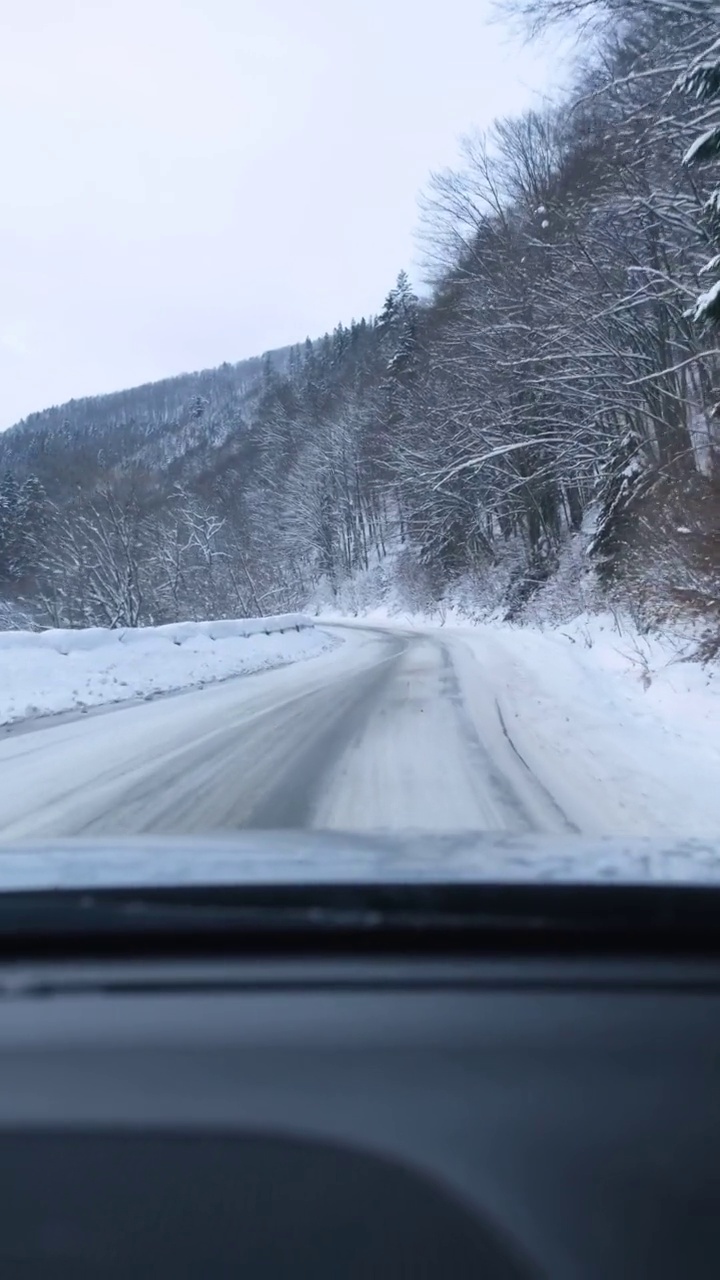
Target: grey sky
[(192, 181)]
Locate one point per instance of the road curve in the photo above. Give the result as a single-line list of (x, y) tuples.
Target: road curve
[(392, 730)]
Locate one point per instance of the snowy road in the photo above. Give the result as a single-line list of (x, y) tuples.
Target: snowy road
[(391, 730)]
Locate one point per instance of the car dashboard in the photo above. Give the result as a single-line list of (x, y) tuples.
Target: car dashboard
[(353, 1106)]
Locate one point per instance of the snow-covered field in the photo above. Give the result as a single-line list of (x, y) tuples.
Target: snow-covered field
[(45, 673)]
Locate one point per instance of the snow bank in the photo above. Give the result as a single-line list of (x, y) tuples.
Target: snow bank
[(179, 633), (623, 731), (48, 672)]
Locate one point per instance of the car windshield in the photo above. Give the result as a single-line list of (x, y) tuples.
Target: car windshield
[(417, 575)]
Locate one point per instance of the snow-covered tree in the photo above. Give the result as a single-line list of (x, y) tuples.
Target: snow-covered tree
[(701, 83)]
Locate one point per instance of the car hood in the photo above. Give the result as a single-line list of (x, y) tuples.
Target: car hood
[(290, 857)]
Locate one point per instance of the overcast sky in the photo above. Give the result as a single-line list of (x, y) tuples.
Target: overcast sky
[(191, 181)]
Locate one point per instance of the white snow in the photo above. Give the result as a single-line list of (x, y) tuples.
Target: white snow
[(48, 672), (585, 725), (710, 135), (623, 732), (620, 728), (704, 303), (711, 265)]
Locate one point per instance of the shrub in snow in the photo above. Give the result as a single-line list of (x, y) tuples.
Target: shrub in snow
[(670, 554), (416, 586), (572, 589), (13, 617)]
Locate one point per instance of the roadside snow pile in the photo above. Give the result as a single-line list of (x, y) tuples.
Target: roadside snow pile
[(47, 672), (622, 731)]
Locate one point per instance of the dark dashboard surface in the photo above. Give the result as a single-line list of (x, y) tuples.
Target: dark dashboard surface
[(511, 1116)]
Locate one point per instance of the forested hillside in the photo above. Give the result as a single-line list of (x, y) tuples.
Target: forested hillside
[(543, 427)]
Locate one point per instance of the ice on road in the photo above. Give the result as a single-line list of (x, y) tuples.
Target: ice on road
[(394, 730)]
